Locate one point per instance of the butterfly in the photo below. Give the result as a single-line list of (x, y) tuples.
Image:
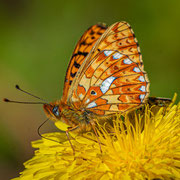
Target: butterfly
[(105, 76)]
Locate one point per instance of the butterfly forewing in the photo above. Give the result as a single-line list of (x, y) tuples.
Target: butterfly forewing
[(82, 49), (112, 78)]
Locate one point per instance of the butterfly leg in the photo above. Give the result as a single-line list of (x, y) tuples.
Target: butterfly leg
[(94, 129), (67, 134)]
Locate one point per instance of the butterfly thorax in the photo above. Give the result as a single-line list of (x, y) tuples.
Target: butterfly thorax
[(75, 117)]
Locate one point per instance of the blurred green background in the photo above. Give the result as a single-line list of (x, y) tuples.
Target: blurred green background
[(36, 41)]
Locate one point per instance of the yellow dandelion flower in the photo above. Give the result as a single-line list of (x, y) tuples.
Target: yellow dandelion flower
[(147, 149)]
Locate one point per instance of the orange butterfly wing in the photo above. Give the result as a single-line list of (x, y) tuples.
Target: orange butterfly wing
[(112, 78), (82, 49)]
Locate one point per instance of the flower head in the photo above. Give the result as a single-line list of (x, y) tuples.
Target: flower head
[(148, 148)]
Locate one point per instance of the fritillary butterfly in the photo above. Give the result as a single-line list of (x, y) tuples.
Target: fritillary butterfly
[(105, 76)]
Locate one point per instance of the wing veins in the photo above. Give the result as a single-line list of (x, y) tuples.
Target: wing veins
[(124, 94), (121, 47), (126, 85), (112, 33), (121, 31), (112, 104), (116, 103), (86, 69), (114, 72)]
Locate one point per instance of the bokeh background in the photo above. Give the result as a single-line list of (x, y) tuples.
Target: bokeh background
[(37, 39)]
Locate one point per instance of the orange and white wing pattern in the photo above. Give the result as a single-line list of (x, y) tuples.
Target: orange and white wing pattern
[(82, 49), (114, 79)]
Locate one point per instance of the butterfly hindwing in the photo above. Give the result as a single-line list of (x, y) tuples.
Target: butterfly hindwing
[(82, 49), (117, 84), (112, 79)]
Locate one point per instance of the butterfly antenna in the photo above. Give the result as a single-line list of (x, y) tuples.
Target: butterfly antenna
[(17, 87), (38, 131), (21, 102), (24, 102)]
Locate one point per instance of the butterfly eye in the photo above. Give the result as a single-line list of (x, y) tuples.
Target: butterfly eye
[(93, 93), (56, 111)]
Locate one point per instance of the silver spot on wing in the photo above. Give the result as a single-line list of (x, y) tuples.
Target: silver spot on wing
[(106, 84)]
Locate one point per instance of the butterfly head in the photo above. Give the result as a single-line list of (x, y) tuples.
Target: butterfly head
[(53, 110)]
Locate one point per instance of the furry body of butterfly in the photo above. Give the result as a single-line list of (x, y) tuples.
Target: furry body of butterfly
[(78, 120)]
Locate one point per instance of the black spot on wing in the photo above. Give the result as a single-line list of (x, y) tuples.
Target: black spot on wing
[(76, 65), (73, 74), (80, 53), (92, 32), (83, 43), (99, 33)]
